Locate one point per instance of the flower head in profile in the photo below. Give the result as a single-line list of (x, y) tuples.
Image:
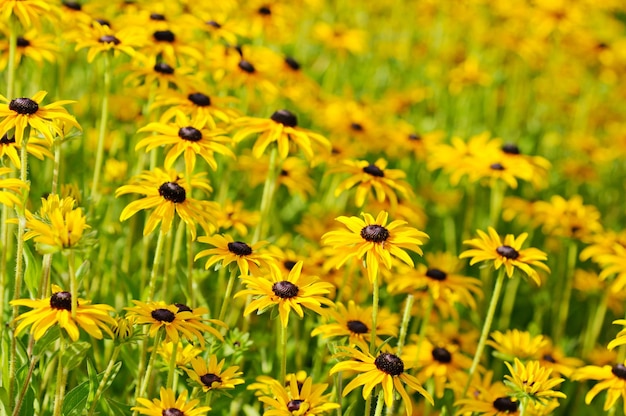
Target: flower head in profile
[(489, 399), (197, 103), (386, 369), (184, 354), (227, 251), (23, 112), (517, 344), (11, 189), (35, 147), (212, 375), (375, 240), (281, 127), (297, 397), (532, 381), (170, 405), (612, 378), (101, 38), (57, 309), (28, 13), (168, 193), (507, 253), (293, 292)]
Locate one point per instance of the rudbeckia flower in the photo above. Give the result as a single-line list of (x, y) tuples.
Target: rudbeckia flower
[(57, 309), (29, 13), (303, 398), (169, 405), (12, 188), (212, 375), (532, 381), (229, 251), (35, 147), (33, 45), (102, 38), (611, 378)]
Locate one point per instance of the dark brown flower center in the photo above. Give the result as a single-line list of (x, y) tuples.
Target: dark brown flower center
[(72, 5), (289, 264), (157, 16), (209, 379), (214, 24), (109, 39), (5, 139), (285, 289), (619, 370), (246, 66), (436, 274), (163, 68), (375, 233), (103, 22), (23, 106), (189, 133), (199, 99), (173, 192), (292, 63), (549, 358), (172, 412), (508, 252), (285, 117), (511, 149), (265, 11), (164, 36), (374, 171), (239, 248), (183, 308), (415, 137), (505, 404), (356, 126), (389, 363), (357, 327), (22, 43), (496, 166), (294, 405), (163, 315), (441, 355), (61, 300)]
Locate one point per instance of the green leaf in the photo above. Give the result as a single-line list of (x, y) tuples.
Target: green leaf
[(117, 408), (28, 403), (32, 270), (75, 354), (83, 270), (76, 400), (43, 344), (4, 401)]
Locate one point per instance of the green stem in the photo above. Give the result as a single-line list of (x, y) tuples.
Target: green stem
[(105, 379), (379, 403), (60, 385), (172, 367), (104, 118), (228, 293), (424, 326), (523, 407), (268, 193), (486, 328), (406, 317), (561, 322), (495, 203), (167, 263), (57, 167), (156, 262), (593, 331), (73, 288), (146, 378), (283, 354), (25, 385), (375, 300), (508, 303)]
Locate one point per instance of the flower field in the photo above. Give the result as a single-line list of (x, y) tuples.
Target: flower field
[(313, 207)]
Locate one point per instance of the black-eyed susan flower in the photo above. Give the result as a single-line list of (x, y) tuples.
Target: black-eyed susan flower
[(552, 356), (341, 38), (373, 178), (169, 194), (212, 375), (29, 13), (612, 378), (517, 344), (293, 292), (507, 253), (156, 73), (281, 127), (531, 381), (23, 112), (11, 189), (489, 399), (173, 44), (297, 397), (227, 251), (102, 38), (386, 369), (232, 215), (184, 353), (187, 137), (375, 240), (568, 217), (34, 46), (57, 309), (176, 320), (10, 149), (620, 338), (169, 405), (355, 323)]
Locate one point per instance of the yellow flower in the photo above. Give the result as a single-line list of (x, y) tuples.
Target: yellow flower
[(532, 381), (374, 239), (293, 292), (228, 251), (212, 375), (296, 397), (184, 355), (10, 149), (170, 405), (28, 12), (33, 45), (386, 369), (20, 113), (102, 38), (10, 187), (507, 253), (612, 378), (515, 343), (58, 310)]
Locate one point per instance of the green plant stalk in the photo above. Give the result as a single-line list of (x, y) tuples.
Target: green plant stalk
[(190, 289), (73, 283), (486, 328), (105, 379), (596, 321), (561, 322), (424, 325), (145, 380), (379, 403), (268, 193), (25, 385), (283, 354), (523, 406), (404, 325), (375, 300), (167, 263), (104, 118), (495, 202), (60, 384), (229, 290), (508, 303), (172, 368), (156, 262)]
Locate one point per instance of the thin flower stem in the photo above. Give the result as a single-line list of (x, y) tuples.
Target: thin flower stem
[(172, 367), (486, 328), (105, 379), (375, 299), (148, 374), (26, 384), (593, 332), (190, 288), (379, 403), (61, 378), (268, 193), (283, 353), (424, 325), (495, 203), (523, 406), (156, 262), (57, 167), (228, 293), (104, 118), (561, 322), (404, 325), (73, 288), (508, 303)]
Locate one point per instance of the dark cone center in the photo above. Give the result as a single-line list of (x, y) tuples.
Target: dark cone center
[(172, 412), (183, 308), (199, 99), (239, 248), (23, 106), (389, 363), (72, 5), (209, 379), (356, 126), (294, 405), (415, 137), (163, 315), (173, 192), (285, 117), (375, 233), (436, 274), (61, 300), (22, 43), (4, 140), (164, 68), (549, 358), (511, 149), (289, 264), (292, 63), (508, 252), (357, 327), (496, 166), (189, 133), (505, 404), (619, 370), (246, 66), (441, 355), (103, 22), (214, 24), (157, 16), (265, 11), (374, 171), (285, 289), (164, 36), (109, 39)]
